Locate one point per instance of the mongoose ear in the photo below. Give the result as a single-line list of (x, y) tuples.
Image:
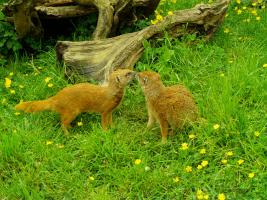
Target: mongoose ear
[(118, 79)]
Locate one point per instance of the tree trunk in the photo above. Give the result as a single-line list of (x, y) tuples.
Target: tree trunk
[(97, 59)]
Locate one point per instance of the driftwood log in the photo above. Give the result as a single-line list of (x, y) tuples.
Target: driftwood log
[(27, 14), (96, 59)]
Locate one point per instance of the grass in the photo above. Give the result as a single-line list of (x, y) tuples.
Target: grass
[(228, 80)]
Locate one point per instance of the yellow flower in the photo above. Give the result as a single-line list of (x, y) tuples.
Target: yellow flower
[(199, 167), (238, 1), (226, 30), (263, 6), (239, 11), (199, 192), (184, 146), (60, 146), (202, 151), (173, 1), (176, 179), (258, 18), (12, 92), (264, 65), (224, 161), (91, 178), (159, 17), (17, 113), (50, 85), (202, 195), (11, 73), (154, 21), (204, 163), (216, 126), (47, 79), (240, 162), (244, 7), (8, 82), (229, 153), (254, 12), (192, 136), (254, 4), (257, 133), (188, 169), (260, 1), (137, 161), (79, 123), (170, 13), (251, 175), (49, 142), (221, 196)]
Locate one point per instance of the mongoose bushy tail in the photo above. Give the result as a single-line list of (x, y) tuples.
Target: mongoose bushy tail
[(35, 106)]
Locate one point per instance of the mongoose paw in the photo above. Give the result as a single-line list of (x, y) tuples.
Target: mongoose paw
[(164, 140)]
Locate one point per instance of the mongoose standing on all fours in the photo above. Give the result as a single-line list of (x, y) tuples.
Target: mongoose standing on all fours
[(85, 97), (171, 106)]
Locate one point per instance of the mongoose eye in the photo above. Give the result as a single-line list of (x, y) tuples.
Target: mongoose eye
[(129, 74), (118, 79), (145, 79)]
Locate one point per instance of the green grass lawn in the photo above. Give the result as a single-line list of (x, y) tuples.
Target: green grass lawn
[(228, 78)]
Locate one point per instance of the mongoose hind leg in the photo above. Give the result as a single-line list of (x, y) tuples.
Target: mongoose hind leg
[(66, 119)]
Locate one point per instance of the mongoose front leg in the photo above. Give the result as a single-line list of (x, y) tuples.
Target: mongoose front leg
[(164, 130), (110, 119), (104, 120), (65, 129), (151, 119)]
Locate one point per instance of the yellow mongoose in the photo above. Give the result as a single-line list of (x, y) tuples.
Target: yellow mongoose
[(85, 97), (172, 106)]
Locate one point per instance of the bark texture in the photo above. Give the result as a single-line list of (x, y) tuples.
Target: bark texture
[(97, 59), (112, 14)]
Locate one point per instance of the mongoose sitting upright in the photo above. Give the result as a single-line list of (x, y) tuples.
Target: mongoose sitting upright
[(172, 106), (85, 97)]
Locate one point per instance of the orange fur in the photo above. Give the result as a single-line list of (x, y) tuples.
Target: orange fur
[(84, 97), (170, 106)]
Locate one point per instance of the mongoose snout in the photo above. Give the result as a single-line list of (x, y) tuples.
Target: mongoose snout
[(172, 106)]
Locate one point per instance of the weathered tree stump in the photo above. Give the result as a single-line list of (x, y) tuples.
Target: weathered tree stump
[(96, 59), (112, 14)]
